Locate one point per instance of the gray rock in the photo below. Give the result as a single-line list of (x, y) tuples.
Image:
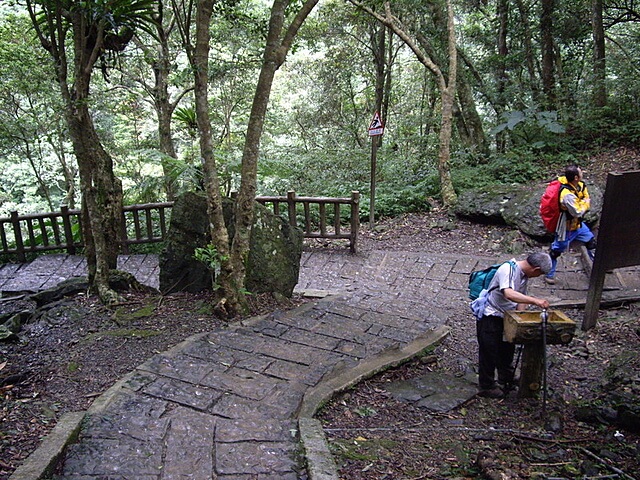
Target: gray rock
[(619, 403), (188, 229), (71, 286), (274, 257), (434, 391), (517, 206)]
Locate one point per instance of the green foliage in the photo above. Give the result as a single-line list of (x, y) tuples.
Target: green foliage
[(118, 18), (392, 200), (610, 126), (315, 139), (187, 116), (531, 127), (212, 259), (517, 166)]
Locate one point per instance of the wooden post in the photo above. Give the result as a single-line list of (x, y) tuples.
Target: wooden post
[(531, 370), (291, 205), (372, 199), (17, 234), (68, 232), (163, 223)]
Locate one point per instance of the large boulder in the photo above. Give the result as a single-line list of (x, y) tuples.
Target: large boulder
[(517, 206), (618, 400), (274, 255), (188, 229), (273, 263)]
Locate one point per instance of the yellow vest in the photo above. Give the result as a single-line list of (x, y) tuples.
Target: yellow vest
[(581, 204)]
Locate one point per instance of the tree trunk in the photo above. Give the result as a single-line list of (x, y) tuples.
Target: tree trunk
[(101, 189), (446, 87), (528, 51), (548, 63), (501, 70), (164, 109), (468, 121), (386, 96), (449, 197), (101, 200), (276, 49), (161, 65), (69, 175), (232, 301), (378, 41), (599, 62), (248, 183)]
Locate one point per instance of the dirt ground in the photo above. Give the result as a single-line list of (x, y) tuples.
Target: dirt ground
[(79, 348), (569, 435)]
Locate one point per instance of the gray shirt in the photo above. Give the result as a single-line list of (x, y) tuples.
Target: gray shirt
[(509, 275)]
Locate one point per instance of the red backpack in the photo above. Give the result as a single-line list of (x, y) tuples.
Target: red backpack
[(550, 206)]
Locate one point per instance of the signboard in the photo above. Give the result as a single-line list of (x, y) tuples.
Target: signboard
[(376, 127), (618, 236)]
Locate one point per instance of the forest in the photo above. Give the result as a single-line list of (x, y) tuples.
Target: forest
[(112, 102)]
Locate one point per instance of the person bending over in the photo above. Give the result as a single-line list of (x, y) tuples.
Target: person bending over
[(507, 291)]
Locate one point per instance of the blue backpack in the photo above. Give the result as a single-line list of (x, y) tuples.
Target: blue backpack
[(480, 280)]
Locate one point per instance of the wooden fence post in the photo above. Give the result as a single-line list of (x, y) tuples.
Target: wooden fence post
[(355, 220), (68, 232), (17, 233), (291, 205)]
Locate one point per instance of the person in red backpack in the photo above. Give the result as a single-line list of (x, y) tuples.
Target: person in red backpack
[(574, 204)]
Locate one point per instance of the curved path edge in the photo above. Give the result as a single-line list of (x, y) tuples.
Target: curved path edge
[(320, 462)]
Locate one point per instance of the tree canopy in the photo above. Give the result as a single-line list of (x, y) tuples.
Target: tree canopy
[(536, 85)]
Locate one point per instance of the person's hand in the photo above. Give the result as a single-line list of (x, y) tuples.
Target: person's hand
[(542, 303)]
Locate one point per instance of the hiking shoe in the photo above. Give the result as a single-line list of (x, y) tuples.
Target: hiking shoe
[(509, 386), (495, 392), (549, 280)]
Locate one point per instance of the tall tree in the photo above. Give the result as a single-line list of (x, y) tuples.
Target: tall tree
[(548, 54), (599, 58), (502, 78), (278, 43), (447, 86), (157, 52), (96, 30), (529, 51), (468, 121), (233, 252)]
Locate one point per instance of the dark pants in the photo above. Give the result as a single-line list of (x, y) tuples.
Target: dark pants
[(494, 353)]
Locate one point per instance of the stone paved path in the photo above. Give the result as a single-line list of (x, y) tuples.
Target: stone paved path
[(229, 404)]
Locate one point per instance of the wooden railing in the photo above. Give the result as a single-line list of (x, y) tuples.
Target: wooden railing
[(42, 232), (315, 220), (147, 223)]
